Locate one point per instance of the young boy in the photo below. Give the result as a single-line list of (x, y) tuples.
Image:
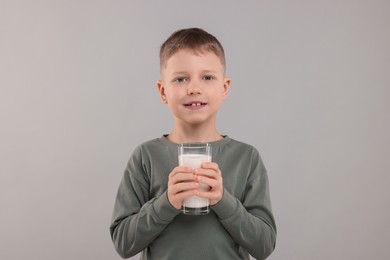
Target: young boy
[(147, 214)]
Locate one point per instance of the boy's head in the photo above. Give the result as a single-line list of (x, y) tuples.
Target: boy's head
[(194, 39), (193, 82)]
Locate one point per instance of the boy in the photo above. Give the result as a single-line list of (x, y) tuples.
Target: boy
[(147, 213)]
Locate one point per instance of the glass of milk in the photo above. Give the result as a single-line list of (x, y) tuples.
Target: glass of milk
[(193, 155)]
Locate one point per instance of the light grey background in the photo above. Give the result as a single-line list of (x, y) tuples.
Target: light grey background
[(310, 89)]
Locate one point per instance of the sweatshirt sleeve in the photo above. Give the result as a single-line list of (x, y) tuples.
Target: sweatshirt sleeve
[(250, 221), (138, 220)]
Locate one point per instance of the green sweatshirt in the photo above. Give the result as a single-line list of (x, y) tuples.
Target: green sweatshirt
[(241, 223)]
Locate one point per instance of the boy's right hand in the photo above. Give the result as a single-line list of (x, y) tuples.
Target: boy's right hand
[(182, 184)]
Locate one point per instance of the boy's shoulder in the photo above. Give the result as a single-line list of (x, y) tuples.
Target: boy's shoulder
[(241, 148), (155, 146), (237, 144), (154, 143)]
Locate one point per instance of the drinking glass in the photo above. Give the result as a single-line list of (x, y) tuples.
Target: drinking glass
[(193, 155)]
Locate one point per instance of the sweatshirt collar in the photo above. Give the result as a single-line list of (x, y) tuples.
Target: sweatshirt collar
[(223, 141)]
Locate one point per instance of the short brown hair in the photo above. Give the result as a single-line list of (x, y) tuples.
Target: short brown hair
[(194, 39)]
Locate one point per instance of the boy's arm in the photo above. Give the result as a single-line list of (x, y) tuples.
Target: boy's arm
[(136, 220), (250, 222)]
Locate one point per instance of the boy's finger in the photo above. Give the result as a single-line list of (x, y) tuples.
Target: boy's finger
[(183, 187), (210, 172), (210, 165), (181, 169), (182, 177), (211, 182)]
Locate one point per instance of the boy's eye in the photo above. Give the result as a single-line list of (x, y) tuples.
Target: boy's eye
[(208, 77), (180, 79)]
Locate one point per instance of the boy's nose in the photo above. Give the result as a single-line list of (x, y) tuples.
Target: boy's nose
[(194, 88)]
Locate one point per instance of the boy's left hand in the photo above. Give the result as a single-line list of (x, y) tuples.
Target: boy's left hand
[(210, 174)]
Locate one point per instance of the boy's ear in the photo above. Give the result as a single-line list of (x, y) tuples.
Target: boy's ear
[(161, 90), (226, 86)]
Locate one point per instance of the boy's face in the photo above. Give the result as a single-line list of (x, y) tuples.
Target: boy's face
[(194, 86)]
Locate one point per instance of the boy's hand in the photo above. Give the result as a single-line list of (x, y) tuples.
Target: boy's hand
[(182, 184), (210, 174)]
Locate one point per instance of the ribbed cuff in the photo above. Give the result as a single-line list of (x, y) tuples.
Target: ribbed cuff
[(226, 207), (164, 209)]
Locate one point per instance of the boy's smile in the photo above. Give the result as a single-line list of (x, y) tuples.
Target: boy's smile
[(195, 105), (194, 86)]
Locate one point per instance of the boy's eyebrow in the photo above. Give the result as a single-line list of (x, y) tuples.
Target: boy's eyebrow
[(179, 72), (209, 71)]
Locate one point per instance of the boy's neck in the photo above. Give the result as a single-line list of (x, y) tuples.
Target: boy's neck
[(193, 134)]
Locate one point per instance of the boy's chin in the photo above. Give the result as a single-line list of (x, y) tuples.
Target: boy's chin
[(199, 121)]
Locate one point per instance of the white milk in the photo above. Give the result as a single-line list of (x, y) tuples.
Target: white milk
[(194, 161)]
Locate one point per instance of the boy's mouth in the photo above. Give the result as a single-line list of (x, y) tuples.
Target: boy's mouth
[(195, 104)]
